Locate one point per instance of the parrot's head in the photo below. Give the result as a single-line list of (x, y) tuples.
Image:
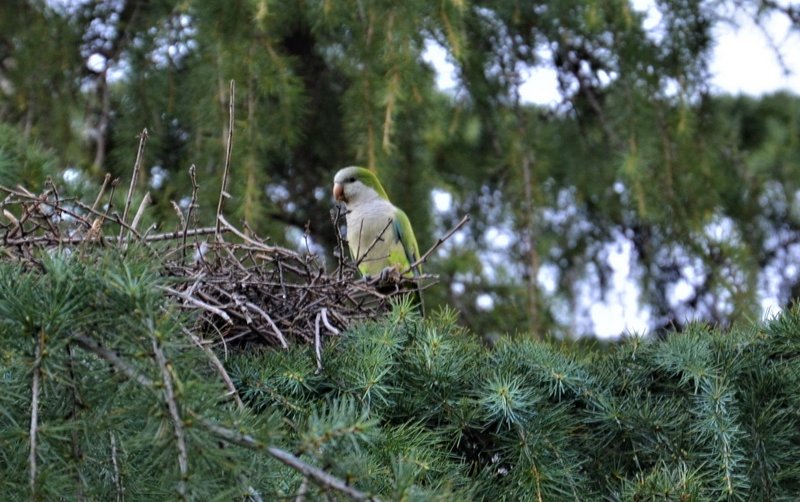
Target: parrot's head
[(354, 185)]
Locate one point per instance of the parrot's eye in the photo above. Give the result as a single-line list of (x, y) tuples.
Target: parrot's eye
[(352, 179)]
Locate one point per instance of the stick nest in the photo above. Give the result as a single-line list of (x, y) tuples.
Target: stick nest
[(243, 289)]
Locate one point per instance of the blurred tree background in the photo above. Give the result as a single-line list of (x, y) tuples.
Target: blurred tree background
[(702, 189)]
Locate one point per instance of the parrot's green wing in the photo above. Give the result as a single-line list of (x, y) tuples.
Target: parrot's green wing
[(406, 236), (402, 226)]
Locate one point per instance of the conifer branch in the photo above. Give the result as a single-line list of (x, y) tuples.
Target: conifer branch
[(115, 465), (35, 384), (111, 357), (319, 476), (177, 421), (223, 373), (232, 436)]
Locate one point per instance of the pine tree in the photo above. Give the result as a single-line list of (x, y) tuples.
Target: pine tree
[(107, 394)]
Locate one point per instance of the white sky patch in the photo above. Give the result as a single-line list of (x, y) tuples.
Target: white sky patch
[(96, 63), (547, 278), (652, 17), (440, 58), (499, 238), (484, 302), (721, 229), (72, 175), (745, 61), (158, 175), (619, 312), (442, 201), (540, 83)]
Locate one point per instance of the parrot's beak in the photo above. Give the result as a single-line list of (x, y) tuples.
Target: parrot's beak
[(338, 192)]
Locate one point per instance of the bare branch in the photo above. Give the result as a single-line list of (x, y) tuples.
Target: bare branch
[(201, 304), (137, 166), (192, 204), (317, 343), (223, 191), (142, 206), (374, 242), (439, 242), (106, 179)]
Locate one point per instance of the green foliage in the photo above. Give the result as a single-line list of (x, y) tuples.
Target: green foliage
[(100, 431), (23, 162), (703, 415), (402, 409), (636, 151)]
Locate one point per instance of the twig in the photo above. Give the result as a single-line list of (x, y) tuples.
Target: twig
[(270, 322), (201, 304), (46, 239), (117, 475), (375, 241), (226, 379), (142, 206), (77, 403), (315, 473), (111, 357), (106, 179), (192, 204), (302, 491), (336, 215), (317, 343), (328, 325), (37, 376), (178, 213), (223, 192), (319, 476), (439, 242), (260, 245), (134, 176), (177, 421)]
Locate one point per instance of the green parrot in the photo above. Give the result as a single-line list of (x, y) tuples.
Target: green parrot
[(379, 234)]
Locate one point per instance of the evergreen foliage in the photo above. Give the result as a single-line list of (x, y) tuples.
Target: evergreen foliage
[(636, 150), (703, 415), (123, 403)]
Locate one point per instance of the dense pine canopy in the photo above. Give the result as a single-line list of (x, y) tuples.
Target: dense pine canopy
[(702, 188), (118, 384)]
